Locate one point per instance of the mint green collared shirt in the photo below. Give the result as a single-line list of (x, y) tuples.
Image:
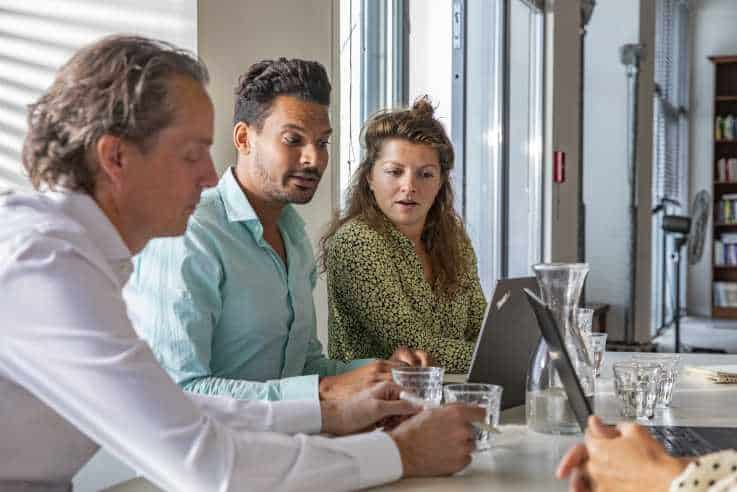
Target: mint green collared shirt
[(221, 311)]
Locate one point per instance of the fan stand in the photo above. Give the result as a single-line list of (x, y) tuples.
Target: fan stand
[(678, 242)]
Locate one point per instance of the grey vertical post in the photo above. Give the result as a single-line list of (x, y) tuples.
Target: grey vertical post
[(458, 112)]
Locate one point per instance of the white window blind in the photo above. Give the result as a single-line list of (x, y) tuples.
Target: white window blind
[(671, 100), (37, 37)]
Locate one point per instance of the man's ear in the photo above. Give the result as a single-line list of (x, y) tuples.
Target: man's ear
[(242, 137), (110, 156)]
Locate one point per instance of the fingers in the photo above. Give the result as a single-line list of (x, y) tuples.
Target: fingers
[(404, 354), (579, 481), (640, 434), (424, 358), (597, 428), (397, 407), (386, 390), (574, 458), (467, 412)]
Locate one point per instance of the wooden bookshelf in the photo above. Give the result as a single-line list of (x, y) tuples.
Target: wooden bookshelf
[(725, 103)]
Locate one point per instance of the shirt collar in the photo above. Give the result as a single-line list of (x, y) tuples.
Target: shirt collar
[(101, 232), (237, 206), (239, 209)]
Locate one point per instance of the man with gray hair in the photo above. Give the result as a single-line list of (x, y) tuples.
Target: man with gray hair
[(120, 147)]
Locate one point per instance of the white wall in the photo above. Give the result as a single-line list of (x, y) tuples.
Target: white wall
[(614, 23), (232, 35), (713, 32)]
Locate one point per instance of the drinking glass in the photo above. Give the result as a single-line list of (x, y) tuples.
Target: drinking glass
[(670, 367), (425, 383), (636, 386), (584, 319), (596, 343), (486, 396)]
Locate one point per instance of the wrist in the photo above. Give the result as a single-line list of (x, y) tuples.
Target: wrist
[(323, 386), (330, 412), (408, 467), (668, 468)]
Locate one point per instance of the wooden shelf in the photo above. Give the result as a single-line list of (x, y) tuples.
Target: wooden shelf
[(724, 312), (719, 59), (725, 102)]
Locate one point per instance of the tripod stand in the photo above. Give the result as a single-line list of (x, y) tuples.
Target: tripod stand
[(678, 242), (679, 226)]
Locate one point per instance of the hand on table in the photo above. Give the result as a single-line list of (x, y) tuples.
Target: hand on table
[(364, 410), (622, 458), (438, 441), (345, 385)]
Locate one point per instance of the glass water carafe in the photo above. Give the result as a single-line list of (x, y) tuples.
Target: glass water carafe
[(546, 402)]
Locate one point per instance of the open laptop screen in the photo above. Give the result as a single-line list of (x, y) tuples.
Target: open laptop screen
[(561, 360)]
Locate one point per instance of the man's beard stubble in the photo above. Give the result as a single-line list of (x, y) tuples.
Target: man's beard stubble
[(280, 192)]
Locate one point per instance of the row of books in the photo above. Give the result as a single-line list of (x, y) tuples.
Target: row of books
[(725, 294), (725, 252), (725, 127), (725, 210), (727, 169)]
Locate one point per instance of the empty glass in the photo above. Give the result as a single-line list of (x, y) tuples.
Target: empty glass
[(423, 382), (486, 396), (584, 319), (596, 344), (670, 366), (636, 385)]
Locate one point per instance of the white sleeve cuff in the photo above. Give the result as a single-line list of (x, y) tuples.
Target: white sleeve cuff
[(297, 416), (377, 456)]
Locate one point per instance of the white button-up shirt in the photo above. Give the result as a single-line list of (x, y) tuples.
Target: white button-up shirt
[(74, 375)]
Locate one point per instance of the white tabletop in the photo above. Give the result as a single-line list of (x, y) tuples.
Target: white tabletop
[(525, 460)]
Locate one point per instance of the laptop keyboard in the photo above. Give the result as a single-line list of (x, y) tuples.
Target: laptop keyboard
[(682, 441)]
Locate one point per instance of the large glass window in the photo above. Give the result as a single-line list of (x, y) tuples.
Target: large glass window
[(503, 136), (480, 61), (670, 149)]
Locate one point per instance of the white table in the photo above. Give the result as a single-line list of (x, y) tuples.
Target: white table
[(526, 460)]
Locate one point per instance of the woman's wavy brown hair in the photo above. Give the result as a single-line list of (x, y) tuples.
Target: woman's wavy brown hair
[(444, 235)]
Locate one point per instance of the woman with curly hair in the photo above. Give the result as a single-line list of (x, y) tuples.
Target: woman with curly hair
[(400, 267)]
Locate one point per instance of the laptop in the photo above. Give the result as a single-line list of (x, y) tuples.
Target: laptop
[(678, 441), (506, 341)]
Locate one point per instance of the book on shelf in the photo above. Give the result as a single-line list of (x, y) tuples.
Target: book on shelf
[(725, 253), (727, 170), (725, 294), (726, 209)]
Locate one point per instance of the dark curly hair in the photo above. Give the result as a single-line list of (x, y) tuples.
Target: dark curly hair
[(267, 79), (116, 86), (444, 235)]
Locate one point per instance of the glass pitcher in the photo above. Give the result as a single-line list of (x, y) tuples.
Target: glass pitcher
[(546, 402)]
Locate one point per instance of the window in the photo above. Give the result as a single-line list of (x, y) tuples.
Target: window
[(502, 136), (480, 61), (670, 147)]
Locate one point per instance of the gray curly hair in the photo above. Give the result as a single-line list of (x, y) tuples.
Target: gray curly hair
[(116, 86)]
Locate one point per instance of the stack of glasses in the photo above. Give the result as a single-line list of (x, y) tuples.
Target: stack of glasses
[(645, 383)]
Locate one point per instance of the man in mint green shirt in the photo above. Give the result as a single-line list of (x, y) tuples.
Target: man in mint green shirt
[(228, 308)]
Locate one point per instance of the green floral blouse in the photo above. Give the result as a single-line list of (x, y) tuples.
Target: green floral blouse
[(379, 299)]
